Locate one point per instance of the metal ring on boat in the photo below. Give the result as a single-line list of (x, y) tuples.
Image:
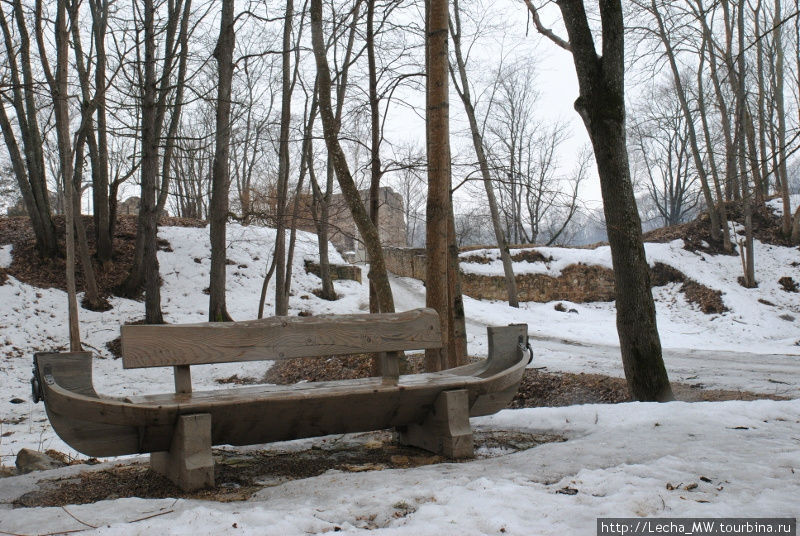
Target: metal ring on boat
[(36, 387), (526, 347)]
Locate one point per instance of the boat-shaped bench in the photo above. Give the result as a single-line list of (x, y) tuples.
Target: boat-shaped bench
[(429, 410)]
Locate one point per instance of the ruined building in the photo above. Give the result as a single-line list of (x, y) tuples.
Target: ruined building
[(343, 233)]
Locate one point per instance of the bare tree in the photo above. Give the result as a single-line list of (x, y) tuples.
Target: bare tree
[(220, 188), (369, 233), (601, 105), (60, 94), (30, 170), (659, 139), (462, 87)]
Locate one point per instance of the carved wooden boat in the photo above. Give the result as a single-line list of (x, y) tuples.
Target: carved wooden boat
[(105, 426)]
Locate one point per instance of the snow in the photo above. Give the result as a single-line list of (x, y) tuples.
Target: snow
[(5, 256), (619, 458)]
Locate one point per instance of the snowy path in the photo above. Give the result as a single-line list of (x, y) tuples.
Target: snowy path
[(777, 374)]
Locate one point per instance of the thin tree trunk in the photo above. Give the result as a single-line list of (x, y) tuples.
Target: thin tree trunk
[(375, 131), (366, 229), (59, 91), (93, 300), (741, 117), (264, 286), (103, 228), (148, 217), (218, 213), (780, 111), (177, 107), (712, 160), (281, 298), (687, 113), (477, 142)]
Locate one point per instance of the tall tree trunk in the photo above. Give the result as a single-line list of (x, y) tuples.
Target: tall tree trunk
[(59, 91), (477, 142), (741, 117), (148, 217), (712, 160), (93, 300), (369, 233), (601, 105), (103, 227), (438, 216), (281, 298), (177, 108), (786, 223), (218, 212), (689, 118), (375, 131)]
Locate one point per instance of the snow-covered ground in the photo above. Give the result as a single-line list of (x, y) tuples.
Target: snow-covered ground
[(619, 458), (742, 457)]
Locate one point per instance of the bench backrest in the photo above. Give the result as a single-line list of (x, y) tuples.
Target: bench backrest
[(278, 338)]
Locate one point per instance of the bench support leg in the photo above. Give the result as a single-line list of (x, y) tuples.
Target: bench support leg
[(188, 463), (446, 429)]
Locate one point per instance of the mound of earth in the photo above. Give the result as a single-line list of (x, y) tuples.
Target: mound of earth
[(697, 235), (29, 268)]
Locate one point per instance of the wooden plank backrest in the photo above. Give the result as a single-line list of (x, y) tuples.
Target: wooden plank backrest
[(278, 338)]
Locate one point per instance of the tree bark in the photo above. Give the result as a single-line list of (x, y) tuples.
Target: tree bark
[(32, 182), (786, 220), (148, 217), (59, 91), (601, 105), (103, 227), (438, 285), (368, 231), (375, 134), (687, 113), (281, 298), (218, 213)]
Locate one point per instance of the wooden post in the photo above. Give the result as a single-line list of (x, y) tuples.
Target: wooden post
[(446, 429), (389, 363), (183, 379), (188, 463)]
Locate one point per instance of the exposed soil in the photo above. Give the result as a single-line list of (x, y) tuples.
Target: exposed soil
[(29, 268), (552, 389), (538, 388), (240, 475), (345, 367), (530, 255), (707, 299), (697, 235)]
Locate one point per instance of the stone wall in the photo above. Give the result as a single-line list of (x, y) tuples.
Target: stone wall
[(342, 230), (338, 271), (577, 283), (405, 262)]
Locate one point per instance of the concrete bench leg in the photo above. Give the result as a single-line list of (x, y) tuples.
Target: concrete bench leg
[(446, 429), (188, 463)]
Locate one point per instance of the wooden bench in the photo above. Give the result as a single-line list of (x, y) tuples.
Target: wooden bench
[(428, 410)]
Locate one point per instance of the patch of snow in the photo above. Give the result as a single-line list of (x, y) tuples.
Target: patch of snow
[(777, 204), (5, 256)]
